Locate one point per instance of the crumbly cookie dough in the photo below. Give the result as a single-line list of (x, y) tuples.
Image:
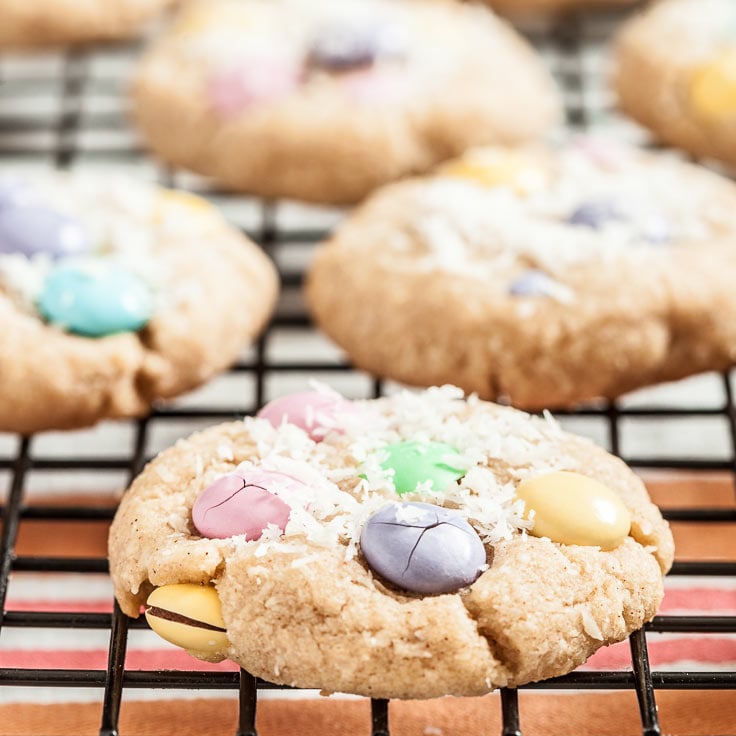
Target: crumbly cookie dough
[(33, 23), (675, 74), (323, 102), (543, 277), (302, 607), (211, 291)]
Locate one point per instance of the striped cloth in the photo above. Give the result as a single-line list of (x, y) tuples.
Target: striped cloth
[(69, 711)]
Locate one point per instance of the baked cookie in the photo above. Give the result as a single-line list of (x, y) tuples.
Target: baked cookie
[(32, 23), (514, 7), (408, 547), (115, 293), (324, 101), (676, 74), (543, 277)]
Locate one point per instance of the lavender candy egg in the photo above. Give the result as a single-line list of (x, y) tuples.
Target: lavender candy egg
[(16, 192), (34, 229), (422, 548), (341, 47), (595, 213), (533, 282)]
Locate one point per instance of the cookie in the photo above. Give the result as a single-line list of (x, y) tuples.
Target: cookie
[(114, 294), (676, 74), (29, 24), (539, 276), (513, 7), (322, 102), (424, 545)]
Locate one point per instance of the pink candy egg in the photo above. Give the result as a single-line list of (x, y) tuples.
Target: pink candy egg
[(234, 89), (244, 502), (316, 412), (375, 85)]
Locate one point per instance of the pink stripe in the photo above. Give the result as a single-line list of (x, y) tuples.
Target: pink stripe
[(96, 659), (67, 606), (699, 599), (705, 650)]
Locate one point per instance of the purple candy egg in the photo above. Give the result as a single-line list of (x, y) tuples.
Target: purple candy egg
[(533, 283), (341, 47), (422, 548), (16, 192), (37, 229), (595, 213)]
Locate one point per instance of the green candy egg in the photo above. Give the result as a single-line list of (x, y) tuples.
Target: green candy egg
[(95, 298), (418, 462)]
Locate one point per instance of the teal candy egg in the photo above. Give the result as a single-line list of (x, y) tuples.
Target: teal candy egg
[(95, 299), (418, 462)]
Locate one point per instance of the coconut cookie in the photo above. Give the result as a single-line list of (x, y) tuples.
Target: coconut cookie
[(114, 294), (324, 101), (676, 74), (32, 23), (543, 277), (408, 547)]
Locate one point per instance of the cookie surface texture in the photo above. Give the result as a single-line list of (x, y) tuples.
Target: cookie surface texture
[(676, 75), (546, 277), (62, 22), (115, 293), (367, 592), (323, 101)]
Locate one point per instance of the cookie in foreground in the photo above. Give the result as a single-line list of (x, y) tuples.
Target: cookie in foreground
[(408, 547), (39, 23), (324, 101), (546, 276), (115, 293), (676, 74)]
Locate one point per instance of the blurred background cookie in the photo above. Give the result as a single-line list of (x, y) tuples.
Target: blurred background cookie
[(33, 23), (552, 6), (676, 74), (324, 102), (545, 277), (114, 294)]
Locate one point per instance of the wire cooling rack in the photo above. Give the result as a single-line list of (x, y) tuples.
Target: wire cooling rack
[(67, 111)]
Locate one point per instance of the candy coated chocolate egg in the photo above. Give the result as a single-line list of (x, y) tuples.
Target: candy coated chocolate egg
[(16, 192), (189, 616), (571, 508), (421, 462), (713, 88), (343, 46), (95, 299), (33, 229), (520, 171), (533, 283), (422, 548), (244, 504), (253, 81), (316, 412), (595, 213)]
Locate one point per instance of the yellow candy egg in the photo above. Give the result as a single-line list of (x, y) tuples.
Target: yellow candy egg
[(495, 167), (202, 17), (713, 87), (571, 508), (189, 616)]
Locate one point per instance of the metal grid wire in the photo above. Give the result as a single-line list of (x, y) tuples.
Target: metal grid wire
[(71, 134)]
